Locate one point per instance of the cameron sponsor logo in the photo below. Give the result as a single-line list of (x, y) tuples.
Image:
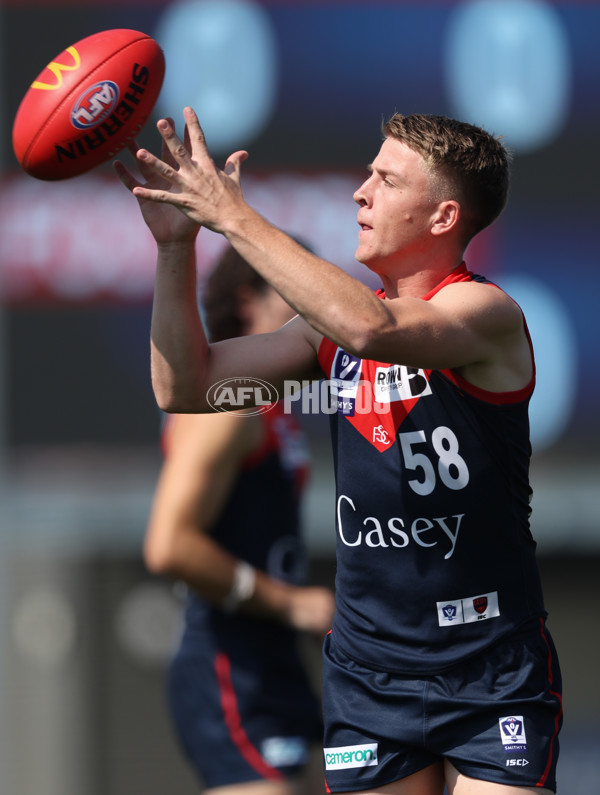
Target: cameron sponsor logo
[(347, 756), (233, 394)]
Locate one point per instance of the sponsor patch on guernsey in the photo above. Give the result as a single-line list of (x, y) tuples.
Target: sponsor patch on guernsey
[(469, 610), (346, 756)]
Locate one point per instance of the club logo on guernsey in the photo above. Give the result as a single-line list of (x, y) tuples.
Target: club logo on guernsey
[(347, 756), (480, 604), (381, 435)]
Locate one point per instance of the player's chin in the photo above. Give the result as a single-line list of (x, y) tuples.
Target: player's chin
[(366, 258), (362, 254)]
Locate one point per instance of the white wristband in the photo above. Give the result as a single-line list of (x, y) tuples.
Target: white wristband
[(244, 581)]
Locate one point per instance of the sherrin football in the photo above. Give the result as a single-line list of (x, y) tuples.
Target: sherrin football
[(88, 103)]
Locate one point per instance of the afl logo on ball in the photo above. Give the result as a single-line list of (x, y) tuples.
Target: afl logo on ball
[(94, 105)]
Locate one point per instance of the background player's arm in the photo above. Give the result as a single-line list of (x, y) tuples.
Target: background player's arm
[(205, 454)]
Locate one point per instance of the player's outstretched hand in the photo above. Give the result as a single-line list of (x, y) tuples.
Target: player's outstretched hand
[(166, 222), (188, 179)]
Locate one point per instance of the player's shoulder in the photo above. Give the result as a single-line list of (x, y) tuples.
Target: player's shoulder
[(483, 303), (477, 291)]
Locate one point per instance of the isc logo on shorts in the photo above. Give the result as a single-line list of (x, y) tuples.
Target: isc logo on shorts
[(346, 756)]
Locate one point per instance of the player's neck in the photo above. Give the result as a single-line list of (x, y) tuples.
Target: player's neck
[(418, 282)]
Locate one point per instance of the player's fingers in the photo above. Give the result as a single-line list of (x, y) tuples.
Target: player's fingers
[(233, 165), (165, 151), (134, 148), (153, 165), (178, 154), (196, 136), (125, 175), (160, 196)]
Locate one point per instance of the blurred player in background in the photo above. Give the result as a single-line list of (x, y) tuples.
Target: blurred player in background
[(226, 521), (439, 670)]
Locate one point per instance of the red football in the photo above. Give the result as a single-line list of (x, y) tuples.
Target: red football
[(88, 103)]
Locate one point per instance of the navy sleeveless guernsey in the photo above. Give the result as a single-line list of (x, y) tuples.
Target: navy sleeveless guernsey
[(435, 558)]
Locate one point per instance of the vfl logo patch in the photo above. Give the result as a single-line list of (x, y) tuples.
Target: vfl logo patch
[(345, 375), (346, 756), (450, 612), (512, 733), (469, 610)]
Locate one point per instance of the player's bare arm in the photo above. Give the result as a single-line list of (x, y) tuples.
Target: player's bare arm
[(182, 379)]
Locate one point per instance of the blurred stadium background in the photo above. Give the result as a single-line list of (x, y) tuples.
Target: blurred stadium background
[(304, 85)]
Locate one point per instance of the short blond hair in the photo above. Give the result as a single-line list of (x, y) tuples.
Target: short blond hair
[(466, 163)]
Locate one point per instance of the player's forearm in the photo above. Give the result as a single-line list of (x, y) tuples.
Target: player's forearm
[(184, 554), (331, 301), (179, 349)]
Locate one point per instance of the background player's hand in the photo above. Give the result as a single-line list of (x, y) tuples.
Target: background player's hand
[(311, 609), (166, 222), (188, 179)]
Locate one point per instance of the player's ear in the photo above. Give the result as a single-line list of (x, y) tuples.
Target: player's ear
[(447, 216)]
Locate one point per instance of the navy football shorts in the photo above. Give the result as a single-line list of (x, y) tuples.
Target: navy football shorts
[(241, 716), (495, 717)]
